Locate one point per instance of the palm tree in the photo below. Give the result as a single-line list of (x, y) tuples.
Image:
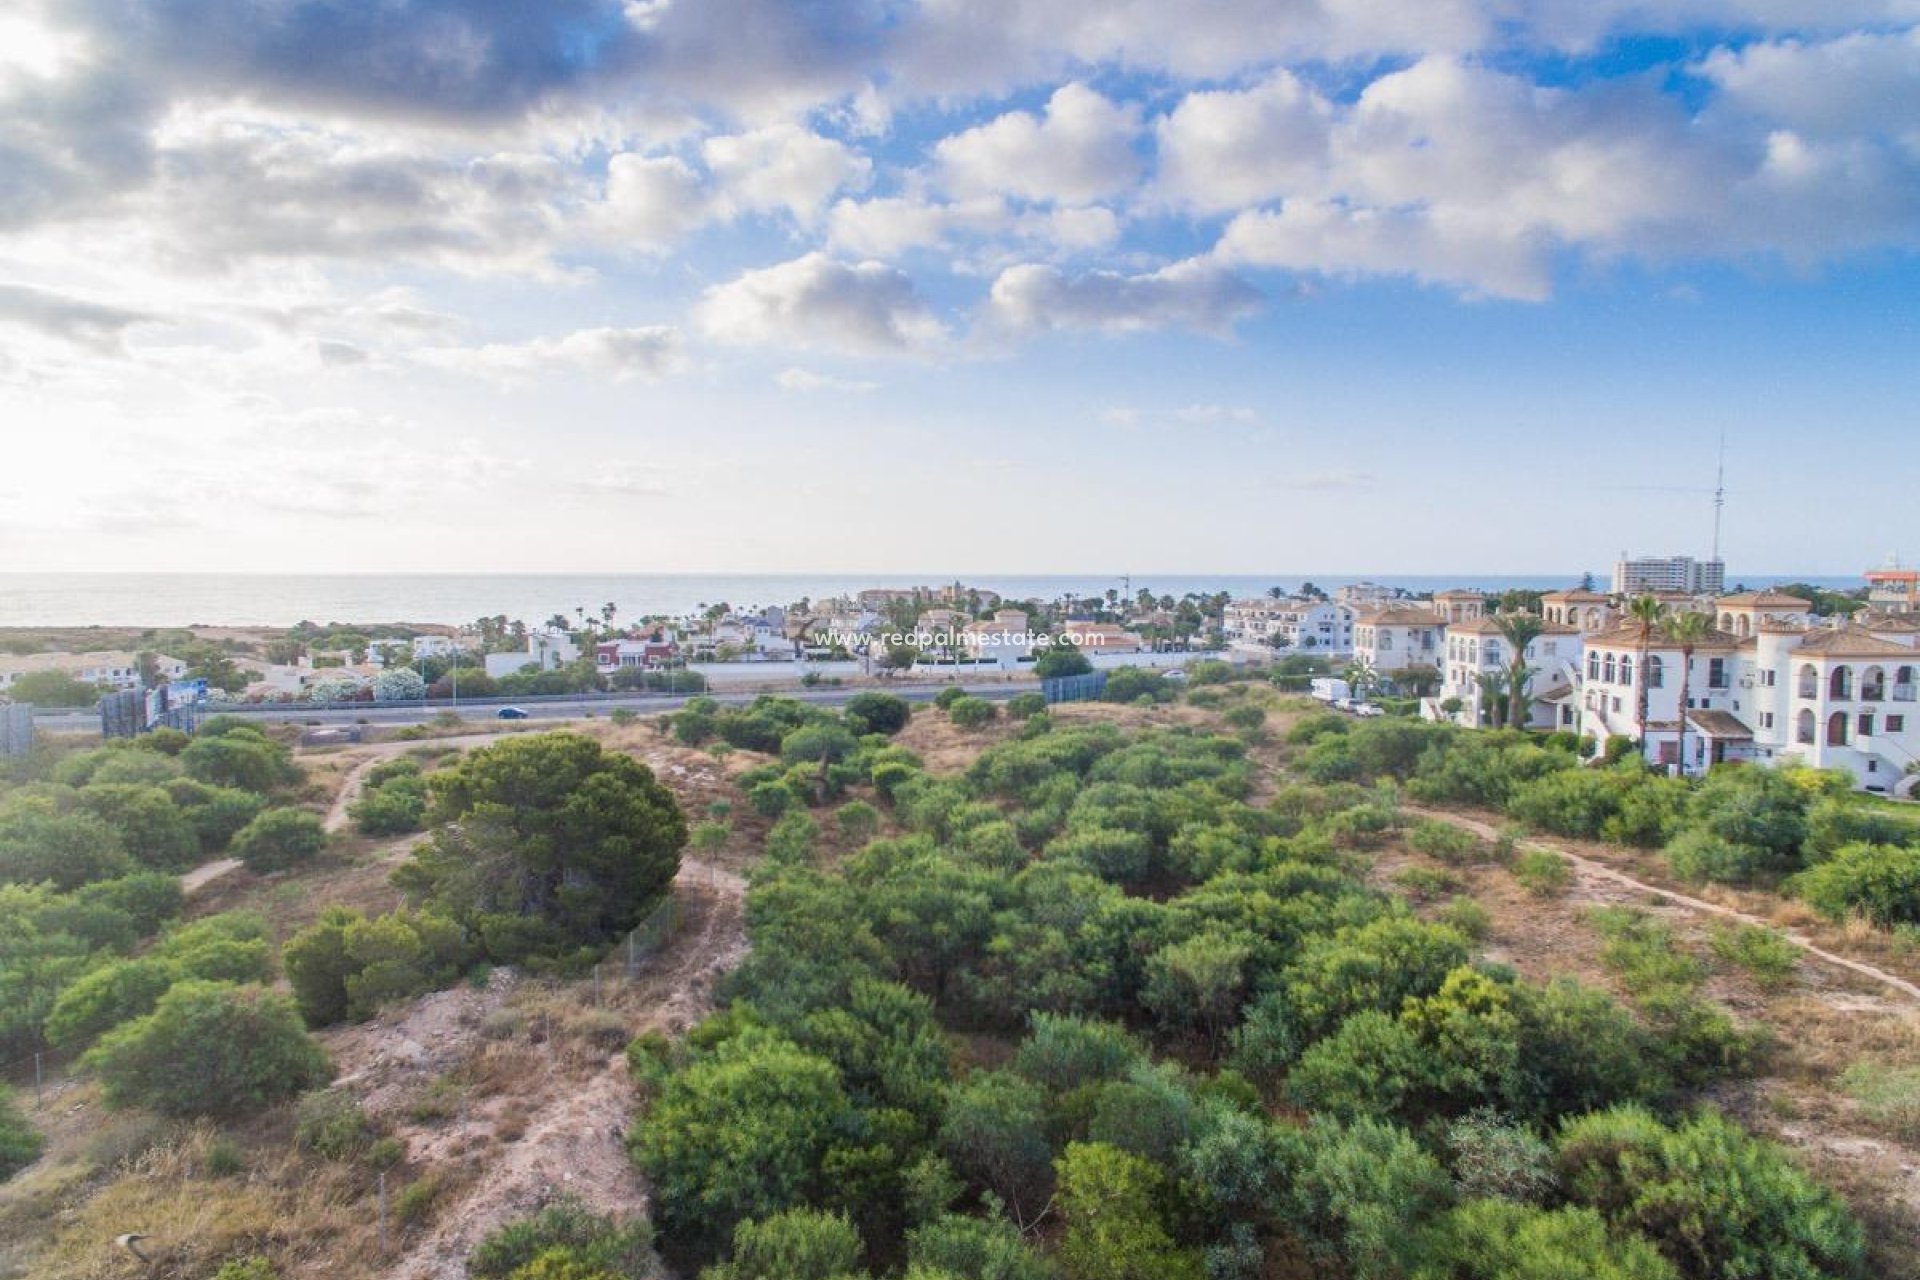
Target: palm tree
[(1686, 630), (1493, 697), (1646, 610), (1518, 630), (1277, 593)]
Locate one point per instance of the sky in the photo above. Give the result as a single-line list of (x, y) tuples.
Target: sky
[(1400, 286)]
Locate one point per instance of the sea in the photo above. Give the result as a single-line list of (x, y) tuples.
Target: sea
[(280, 600)]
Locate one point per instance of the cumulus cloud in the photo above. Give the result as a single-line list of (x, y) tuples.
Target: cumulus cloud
[(620, 354), (1224, 149), (782, 166), (817, 301), (1078, 151), (1191, 295)]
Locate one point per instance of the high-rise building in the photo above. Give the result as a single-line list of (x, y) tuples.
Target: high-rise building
[(1633, 577)]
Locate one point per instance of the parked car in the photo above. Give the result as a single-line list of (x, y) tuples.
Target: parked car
[(511, 713), (1175, 674), (1368, 710)]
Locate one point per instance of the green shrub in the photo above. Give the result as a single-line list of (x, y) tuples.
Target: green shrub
[(101, 1000), (1130, 684), (278, 840), (1500, 1240), (1543, 873), (251, 1267), (799, 1244), (970, 712), (948, 696), (1492, 1157), (19, 1142), (877, 713), (209, 1048), (1467, 917), (148, 823), (333, 1125), (1764, 953), (1446, 843), (393, 807), (1880, 883), (770, 799), (1700, 856), (1715, 1200), (345, 965), (1424, 884), (1024, 706)]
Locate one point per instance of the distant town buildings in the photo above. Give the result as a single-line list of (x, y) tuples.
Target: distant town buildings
[(1893, 589), (1633, 577), (112, 669)]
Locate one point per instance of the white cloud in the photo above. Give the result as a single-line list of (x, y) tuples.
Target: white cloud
[(816, 301), (620, 354), (797, 379), (1191, 295), (1223, 149), (1335, 480), (650, 202), (1079, 151), (80, 321), (889, 225), (782, 166), (1333, 239)]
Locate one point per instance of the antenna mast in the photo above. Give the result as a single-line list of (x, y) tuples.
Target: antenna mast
[(1719, 492)]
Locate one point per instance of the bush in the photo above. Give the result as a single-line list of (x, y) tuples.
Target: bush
[(971, 712), (1699, 855), (1130, 684), (600, 1243), (19, 1142), (800, 1244), (770, 799), (345, 965), (1492, 1158), (1764, 953), (1024, 706), (65, 850), (948, 696), (1715, 1200), (1500, 1240), (332, 1125), (240, 757), (278, 840), (147, 822), (209, 1048), (1543, 873), (251, 1267), (97, 1002), (1113, 1226), (877, 713), (1870, 880), (1887, 1095), (1446, 843)]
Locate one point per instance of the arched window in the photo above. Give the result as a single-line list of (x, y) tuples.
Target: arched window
[(1593, 619), (1803, 727), (1840, 682), (1903, 684), (1656, 671), (1837, 729), (1610, 668), (1593, 665), (1744, 626), (1873, 685), (1626, 669), (1809, 681), (1726, 622)]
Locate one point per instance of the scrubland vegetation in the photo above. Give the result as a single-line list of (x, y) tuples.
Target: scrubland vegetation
[(1156, 990)]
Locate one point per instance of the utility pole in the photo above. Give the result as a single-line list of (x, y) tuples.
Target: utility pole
[(1719, 492)]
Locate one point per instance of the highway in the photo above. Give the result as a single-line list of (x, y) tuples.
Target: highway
[(560, 708)]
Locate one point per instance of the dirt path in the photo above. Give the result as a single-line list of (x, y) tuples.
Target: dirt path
[(1601, 871), (574, 1137), (369, 756)]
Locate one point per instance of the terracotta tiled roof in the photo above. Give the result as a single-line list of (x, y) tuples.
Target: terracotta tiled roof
[(1399, 616), (1577, 595), (1852, 642), (1719, 724), (1491, 627), (1627, 636), (1765, 600)]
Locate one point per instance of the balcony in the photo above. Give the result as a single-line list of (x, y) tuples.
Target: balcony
[(1903, 693)]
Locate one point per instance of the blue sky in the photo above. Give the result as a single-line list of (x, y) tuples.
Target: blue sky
[(1409, 286)]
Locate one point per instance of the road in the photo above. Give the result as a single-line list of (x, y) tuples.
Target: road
[(556, 709)]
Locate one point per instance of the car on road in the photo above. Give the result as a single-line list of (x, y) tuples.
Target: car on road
[(511, 713), (1368, 710)]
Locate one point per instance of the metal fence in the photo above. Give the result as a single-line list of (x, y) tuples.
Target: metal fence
[(651, 934), (16, 729), (1087, 688)]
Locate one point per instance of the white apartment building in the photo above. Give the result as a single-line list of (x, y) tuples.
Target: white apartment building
[(112, 669), (1393, 638), (1477, 648), (546, 650), (1585, 610), (1004, 640), (1290, 625), (1834, 697), (1633, 577)]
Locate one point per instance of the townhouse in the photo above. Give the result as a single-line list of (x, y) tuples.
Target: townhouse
[(1476, 649)]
